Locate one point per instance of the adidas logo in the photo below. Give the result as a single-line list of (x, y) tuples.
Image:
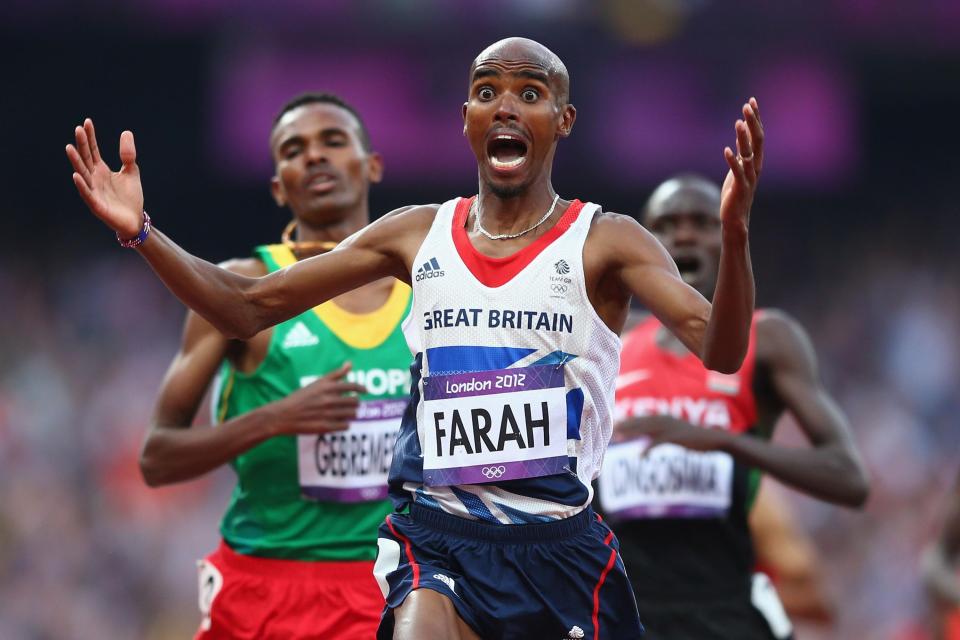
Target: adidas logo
[(299, 336), (429, 269), (575, 632)]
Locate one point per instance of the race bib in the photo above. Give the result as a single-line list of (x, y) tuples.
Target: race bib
[(494, 425), (670, 482), (352, 465)]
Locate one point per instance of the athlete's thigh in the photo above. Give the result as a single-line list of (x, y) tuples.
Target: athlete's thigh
[(428, 615)]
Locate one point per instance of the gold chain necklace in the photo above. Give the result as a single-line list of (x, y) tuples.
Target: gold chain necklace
[(309, 246), (477, 227)]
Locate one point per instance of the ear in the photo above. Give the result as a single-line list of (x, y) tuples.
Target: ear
[(276, 190), (567, 119), (463, 112), (374, 167)]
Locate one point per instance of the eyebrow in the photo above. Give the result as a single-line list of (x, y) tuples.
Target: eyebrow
[(540, 76), (299, 137)]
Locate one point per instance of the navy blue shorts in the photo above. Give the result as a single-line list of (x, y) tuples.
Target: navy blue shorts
[(556, 581)]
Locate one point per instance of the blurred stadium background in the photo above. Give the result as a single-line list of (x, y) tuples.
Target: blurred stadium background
[(855, 233)]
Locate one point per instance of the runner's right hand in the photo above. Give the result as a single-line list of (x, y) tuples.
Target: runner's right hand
[(327, 404), (115, 197)]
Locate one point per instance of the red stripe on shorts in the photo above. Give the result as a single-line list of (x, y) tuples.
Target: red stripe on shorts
[(409, 550), (596, 590)]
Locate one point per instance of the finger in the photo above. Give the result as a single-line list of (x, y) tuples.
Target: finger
[(92, 136), (84, 190), (340, 371), (756, 133), (744, 140), (128, 151), (329, 425), (74, 156), (735, 165), (83, 146), (340, 414), (341, 402), (756, 107), (347, 387)]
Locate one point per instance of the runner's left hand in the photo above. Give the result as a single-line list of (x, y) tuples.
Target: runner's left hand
[(745, 165)]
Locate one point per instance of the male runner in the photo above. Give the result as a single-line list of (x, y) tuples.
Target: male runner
[(940, 569), (682, 516), (518, 298), (299, 536)]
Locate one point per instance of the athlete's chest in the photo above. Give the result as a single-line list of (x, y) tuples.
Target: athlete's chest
[(656, 381)]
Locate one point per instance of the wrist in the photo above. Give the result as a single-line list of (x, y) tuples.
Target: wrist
[(135, 240), (735, 232), (273, 421)]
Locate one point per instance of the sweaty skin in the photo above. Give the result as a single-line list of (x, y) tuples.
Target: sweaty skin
[(518, 91), (684, 214)]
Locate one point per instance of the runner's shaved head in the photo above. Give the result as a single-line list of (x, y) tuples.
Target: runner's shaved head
[(523, 54), (683, 193)]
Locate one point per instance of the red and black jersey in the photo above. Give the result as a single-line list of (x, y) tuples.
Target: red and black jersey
[(681, 515)]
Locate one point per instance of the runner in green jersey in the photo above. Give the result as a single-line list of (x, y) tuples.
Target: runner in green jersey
[(307, 412)]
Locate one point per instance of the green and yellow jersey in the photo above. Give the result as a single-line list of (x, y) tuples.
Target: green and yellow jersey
[(312, 497)]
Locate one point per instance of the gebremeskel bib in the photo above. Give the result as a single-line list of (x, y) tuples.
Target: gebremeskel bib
[(352, 465), (513, 376)]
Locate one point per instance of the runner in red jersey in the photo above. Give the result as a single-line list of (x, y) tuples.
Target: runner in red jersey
[(680, 509)]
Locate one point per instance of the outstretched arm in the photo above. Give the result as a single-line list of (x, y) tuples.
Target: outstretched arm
[(719, 332), (240, 306)]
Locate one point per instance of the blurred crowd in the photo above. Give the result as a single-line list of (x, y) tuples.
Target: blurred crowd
[(88, 551)]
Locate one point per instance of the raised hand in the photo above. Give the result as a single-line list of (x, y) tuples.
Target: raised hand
[(115, 197), (321, 406), (745, 165)]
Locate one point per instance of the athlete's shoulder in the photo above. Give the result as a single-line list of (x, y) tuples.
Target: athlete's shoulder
[(610, 225), (620, 236), (414, 211), (415, 218), (780, 337), (250, 266)]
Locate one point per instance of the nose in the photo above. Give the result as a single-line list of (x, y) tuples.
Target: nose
[(684, 234), (316, 152), (506, 108)]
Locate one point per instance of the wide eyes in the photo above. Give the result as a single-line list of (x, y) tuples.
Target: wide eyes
[(485, 94)]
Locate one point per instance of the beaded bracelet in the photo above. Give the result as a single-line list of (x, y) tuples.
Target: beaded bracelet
[(138, 239)]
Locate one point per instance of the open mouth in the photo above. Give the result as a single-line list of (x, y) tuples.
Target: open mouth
[(321, 183), (506, 151), (689, 267)]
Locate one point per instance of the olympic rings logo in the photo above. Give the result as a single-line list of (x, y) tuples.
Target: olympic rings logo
[(558, 288), (493, 472)]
